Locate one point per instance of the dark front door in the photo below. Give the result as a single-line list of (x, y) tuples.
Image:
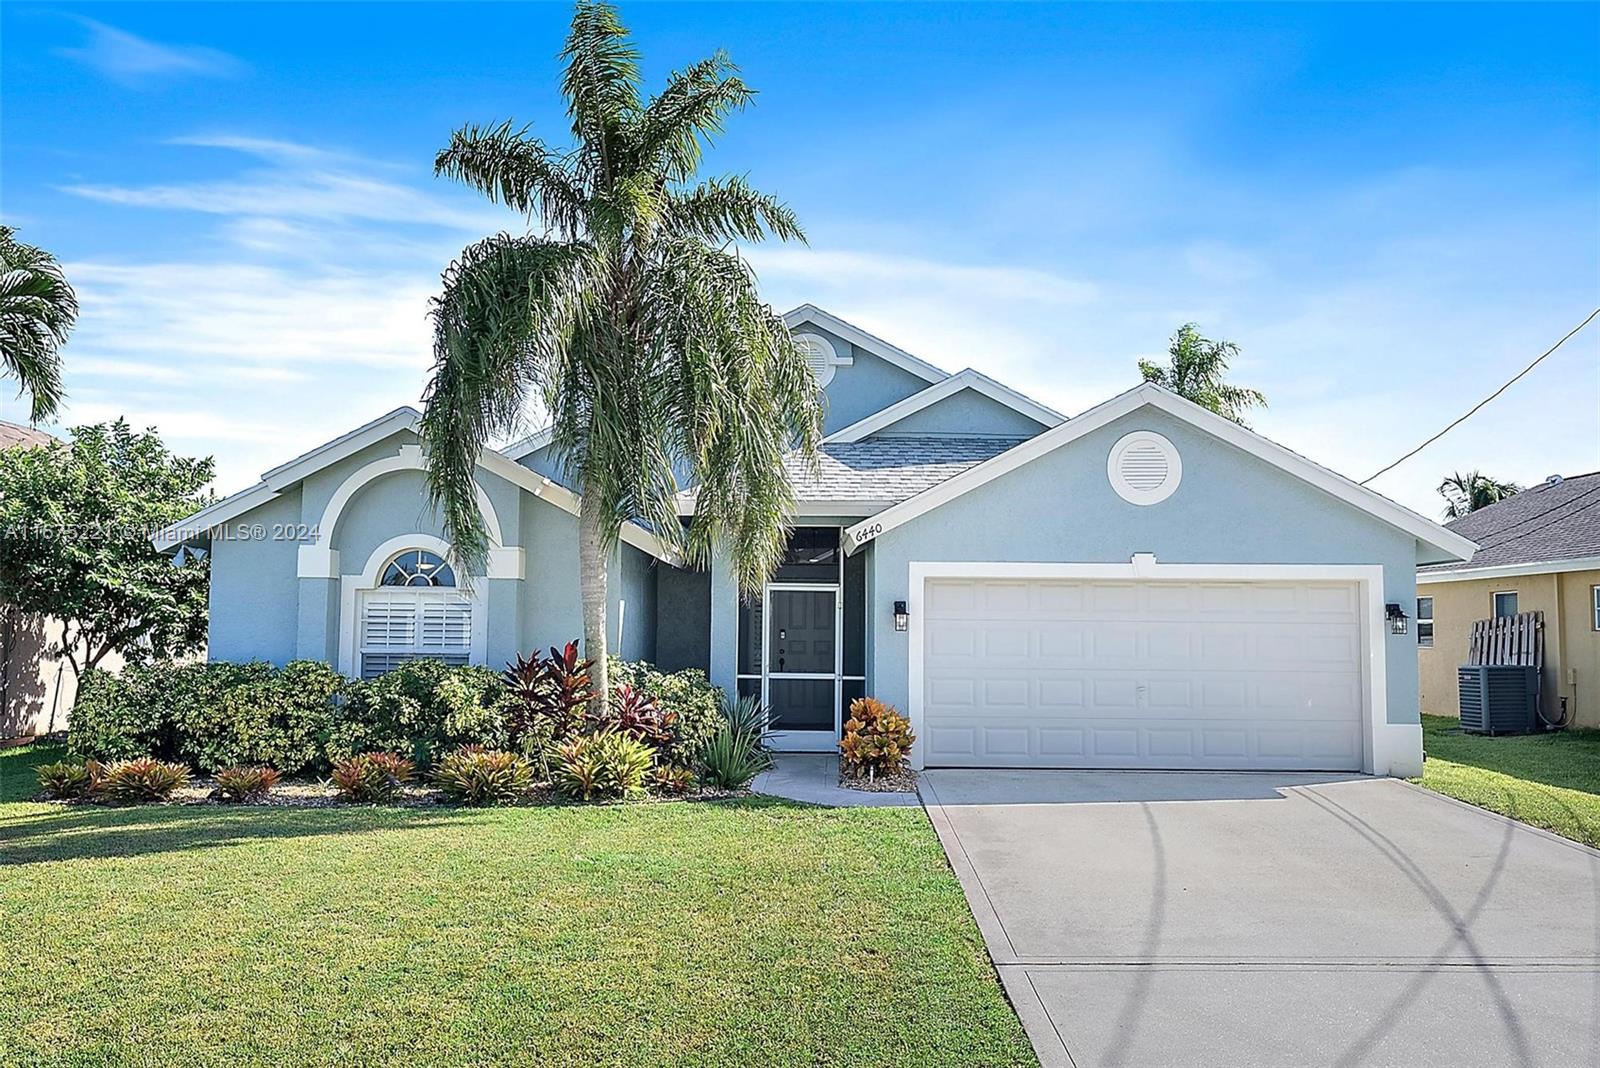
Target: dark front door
[(802, 659)]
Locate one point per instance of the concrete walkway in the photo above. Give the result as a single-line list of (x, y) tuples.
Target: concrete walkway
[(814, 779), (1194, 919)]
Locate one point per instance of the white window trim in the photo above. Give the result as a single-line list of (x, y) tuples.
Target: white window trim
[(352, 586), (1594, 604), (1494, 612), (1429, 620), (1388, 748)]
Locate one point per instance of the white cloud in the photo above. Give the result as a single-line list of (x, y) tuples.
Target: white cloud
[(132, 60)]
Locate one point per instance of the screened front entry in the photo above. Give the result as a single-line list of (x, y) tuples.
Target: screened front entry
[(801, 647)]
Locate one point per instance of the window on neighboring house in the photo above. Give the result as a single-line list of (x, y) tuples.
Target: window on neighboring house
[(416, 611), (1505, 604), (1594, 595), (1425, 621)]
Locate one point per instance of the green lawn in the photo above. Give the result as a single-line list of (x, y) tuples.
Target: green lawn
[(739, 933), (1549, 780)]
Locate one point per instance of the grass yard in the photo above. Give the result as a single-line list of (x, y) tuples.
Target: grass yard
[(740, 933), (1549, 780)]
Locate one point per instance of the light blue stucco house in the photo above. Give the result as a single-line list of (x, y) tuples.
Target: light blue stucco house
[(1144, 585)]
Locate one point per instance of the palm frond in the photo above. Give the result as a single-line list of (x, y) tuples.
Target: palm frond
[(507, 305), (506, 165), (726, 209), (677, 125), (601, 82), (37, 311)]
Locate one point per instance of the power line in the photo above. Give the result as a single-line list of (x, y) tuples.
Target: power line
[(1485, 400)]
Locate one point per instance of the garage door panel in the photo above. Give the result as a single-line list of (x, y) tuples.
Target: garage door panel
[(1144, 674)]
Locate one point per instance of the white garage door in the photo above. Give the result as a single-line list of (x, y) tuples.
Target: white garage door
[(1142, 674)]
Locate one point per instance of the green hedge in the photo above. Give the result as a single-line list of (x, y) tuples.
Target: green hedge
[(304, 716)]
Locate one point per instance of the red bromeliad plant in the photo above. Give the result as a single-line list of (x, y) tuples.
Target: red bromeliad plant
[(636, 714), (554, 689)]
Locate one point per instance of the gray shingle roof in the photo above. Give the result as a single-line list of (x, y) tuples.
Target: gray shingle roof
[(1542, 523), (888, 470)]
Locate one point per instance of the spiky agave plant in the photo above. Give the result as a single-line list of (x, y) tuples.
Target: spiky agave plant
[(629, 314)]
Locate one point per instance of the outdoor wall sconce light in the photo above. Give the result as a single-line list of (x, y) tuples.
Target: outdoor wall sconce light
[(1397, 618), (902, 618)]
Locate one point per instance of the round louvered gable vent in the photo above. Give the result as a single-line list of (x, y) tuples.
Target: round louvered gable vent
[(820, 356), (1144, 468)]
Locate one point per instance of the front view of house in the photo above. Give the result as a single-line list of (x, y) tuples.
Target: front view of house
[(1145, 585)]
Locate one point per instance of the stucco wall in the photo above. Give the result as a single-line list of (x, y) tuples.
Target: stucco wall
[(1229, 508), (1570, 640), (261, 609), (962, 413), (868, 384), (254, 595)]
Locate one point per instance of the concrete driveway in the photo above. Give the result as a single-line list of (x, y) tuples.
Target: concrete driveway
[(1243, 919)]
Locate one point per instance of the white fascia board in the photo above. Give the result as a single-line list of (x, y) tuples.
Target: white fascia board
[(287, 474), (201, 523), (1148, 394), (1539, 567), (967, 379), (530, 444), (568, 501), (810, 313)]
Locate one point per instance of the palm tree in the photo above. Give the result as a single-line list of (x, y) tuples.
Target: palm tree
[(1196, 371), (37, 310), (1466, 493), (629, 316)]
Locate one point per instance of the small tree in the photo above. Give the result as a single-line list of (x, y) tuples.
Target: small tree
[(1195, 372), (75, 527), (1466, 492)]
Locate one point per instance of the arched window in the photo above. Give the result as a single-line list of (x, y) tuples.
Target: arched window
[(417, 567), (415, 611)]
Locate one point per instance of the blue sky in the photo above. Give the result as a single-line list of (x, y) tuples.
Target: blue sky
[(1391, 209)]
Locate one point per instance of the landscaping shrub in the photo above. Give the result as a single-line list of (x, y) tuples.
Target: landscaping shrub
[(423, 708), (211, 714), (477, 776), (68, 779), (877, 739), (144, 779), (671, 779), (109, 723), (374, 778), (241, 715), (734, 753), (238, 785), (695, 705), (604, 765)]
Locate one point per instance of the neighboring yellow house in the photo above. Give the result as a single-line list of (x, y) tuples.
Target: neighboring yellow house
[(1538, 551)]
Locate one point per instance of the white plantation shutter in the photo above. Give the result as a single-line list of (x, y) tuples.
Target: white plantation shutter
[(407, 623)]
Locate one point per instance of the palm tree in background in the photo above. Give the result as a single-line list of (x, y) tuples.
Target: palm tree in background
[(1466, 493), (629, 316), (1195, 372), (37, 310)]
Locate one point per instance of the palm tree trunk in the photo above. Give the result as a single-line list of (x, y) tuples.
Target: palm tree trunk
[(592, 587)]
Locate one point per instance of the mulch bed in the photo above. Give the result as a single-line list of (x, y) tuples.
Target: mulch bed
[(901, 781), (313, 794)]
